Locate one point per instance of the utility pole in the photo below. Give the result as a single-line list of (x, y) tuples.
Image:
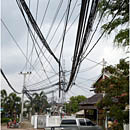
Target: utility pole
[(63, 86), (52, 100), (103, 92), (104, 63), (22, 99)]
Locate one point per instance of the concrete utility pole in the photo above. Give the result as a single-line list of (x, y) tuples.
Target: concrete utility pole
[(22, 99), (63, 85), (104, 64), (52, 100)]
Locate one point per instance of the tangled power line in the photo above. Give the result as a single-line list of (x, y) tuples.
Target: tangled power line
[(86, 17)]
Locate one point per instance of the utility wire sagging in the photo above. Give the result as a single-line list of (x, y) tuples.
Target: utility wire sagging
[(43, 88), (8, 82), (17, 44), (82, 36), (23, 6)]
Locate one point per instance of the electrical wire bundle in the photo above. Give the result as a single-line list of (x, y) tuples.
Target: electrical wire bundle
[(84, 29), (46, 87), (4, 76), (23, 6)]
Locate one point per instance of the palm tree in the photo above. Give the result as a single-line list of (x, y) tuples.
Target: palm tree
[(13, 104), (43, 101), (3, 97), (39, 102)]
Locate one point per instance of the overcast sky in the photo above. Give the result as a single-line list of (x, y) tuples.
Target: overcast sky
[(13, 61)]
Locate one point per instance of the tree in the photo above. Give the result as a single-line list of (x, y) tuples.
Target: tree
[(10, 103), (116, 89), (13, 104), (3, 101), (73, 105), (39, 102), (120, 10), (3, 97)]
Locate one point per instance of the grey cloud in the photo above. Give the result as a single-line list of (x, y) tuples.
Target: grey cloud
[(13, 63)]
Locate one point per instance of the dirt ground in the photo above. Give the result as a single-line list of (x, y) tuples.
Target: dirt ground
[(25, 125)]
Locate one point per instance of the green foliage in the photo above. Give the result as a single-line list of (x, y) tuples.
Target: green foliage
[(3, 97), (116, 88), (38, 104), (73, 105), (10, 103), (110, 9), (122, 38), (5, 120)]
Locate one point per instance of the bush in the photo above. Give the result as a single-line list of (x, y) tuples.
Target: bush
[(5, 120), (17, 120)]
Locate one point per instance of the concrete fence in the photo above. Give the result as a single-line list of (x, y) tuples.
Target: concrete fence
[(126, 126), (42, 121)]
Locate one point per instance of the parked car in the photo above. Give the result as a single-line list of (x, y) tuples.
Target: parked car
[(78, 124)]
